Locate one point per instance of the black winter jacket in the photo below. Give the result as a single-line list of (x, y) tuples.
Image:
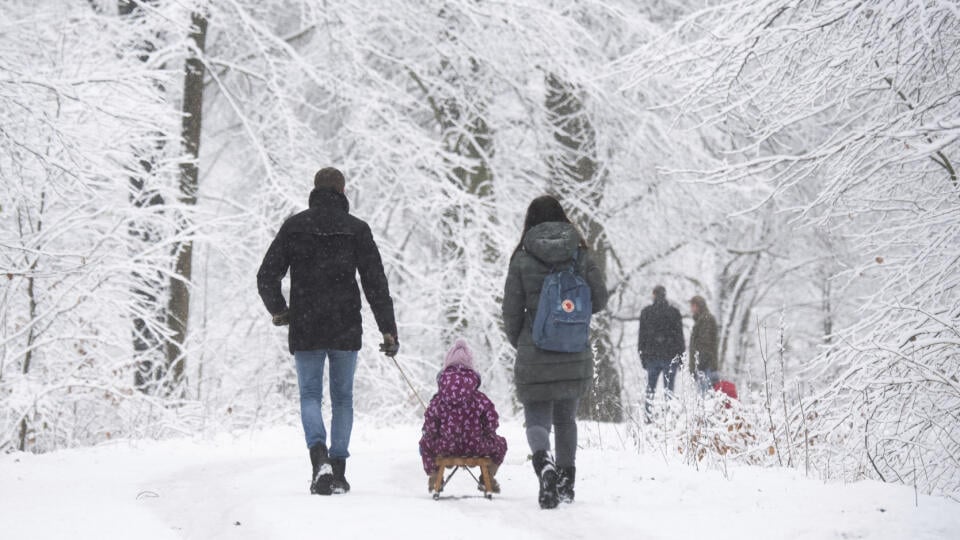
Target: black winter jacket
[(661, 332), (324, 247)]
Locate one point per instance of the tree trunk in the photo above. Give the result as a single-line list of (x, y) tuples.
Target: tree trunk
[(149, 287), (575, 176), (31, 318), (736, 330), (178, 311), (826, 307)]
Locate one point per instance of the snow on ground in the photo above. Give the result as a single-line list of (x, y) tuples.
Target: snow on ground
[(254, 486)]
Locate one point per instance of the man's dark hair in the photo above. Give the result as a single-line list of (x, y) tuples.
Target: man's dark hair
[(660, 292), (329, 178)]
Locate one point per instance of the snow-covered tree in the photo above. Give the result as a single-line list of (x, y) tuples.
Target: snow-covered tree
[(78, 117)]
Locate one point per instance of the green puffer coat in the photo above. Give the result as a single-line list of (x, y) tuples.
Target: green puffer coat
[(545, 375), (703, 343)]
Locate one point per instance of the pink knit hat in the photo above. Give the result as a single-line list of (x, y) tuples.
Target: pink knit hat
[(460, 354)]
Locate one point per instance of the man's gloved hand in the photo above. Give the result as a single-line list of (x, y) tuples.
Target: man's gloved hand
[(390, 345), (282, 318)]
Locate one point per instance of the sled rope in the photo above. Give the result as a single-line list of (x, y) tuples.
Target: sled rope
[(412, 389)]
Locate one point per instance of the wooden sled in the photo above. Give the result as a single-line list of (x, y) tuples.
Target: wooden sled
[(457, 463)]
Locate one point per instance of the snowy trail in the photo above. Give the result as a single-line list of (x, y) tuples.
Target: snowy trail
[(253, 487)]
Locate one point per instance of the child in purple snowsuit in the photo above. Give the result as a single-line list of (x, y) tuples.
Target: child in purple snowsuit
[(461, 420)]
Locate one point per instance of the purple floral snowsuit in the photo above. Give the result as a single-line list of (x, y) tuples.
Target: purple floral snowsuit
[(460, 421)]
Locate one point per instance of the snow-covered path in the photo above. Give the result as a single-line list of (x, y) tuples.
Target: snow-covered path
[(254, 486)]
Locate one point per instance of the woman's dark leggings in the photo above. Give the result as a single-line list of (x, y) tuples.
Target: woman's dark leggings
[(562, 414)]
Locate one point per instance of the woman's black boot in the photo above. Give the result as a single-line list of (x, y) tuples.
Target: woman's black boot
[(567, 478), (547, 475)]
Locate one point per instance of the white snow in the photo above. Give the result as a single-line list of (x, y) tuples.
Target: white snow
[(254, 485)]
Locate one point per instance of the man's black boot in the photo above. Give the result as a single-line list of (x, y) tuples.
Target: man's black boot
[(322, 477), (340, 484)]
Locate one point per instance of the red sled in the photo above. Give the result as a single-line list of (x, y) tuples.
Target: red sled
[(727, 388)]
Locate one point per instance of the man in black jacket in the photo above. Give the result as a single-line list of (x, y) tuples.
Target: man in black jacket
[(660, 343), (324, 247)]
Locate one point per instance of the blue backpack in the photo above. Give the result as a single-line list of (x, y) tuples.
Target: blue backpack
[(562, 323)]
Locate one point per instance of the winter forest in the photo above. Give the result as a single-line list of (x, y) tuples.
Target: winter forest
[(794, 162)]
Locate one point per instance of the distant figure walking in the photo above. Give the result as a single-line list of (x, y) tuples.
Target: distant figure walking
[(549, 383), (324, 247), (703, 345), (660, 344)]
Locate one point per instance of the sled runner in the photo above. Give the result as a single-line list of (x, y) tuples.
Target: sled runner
[(457, 463)]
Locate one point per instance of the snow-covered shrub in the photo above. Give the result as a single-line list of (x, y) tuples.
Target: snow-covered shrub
[(706, 430), (719, 430)]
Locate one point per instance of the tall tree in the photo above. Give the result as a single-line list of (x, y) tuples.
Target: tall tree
[(178, 315), (576, 175), (148, 285), (27, 225)]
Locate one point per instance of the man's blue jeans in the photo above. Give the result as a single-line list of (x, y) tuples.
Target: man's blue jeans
[(706, 379), (343, 364), (654, 369)]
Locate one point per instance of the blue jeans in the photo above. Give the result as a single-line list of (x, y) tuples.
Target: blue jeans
[(654, 369), (706, 379), (343, 364)]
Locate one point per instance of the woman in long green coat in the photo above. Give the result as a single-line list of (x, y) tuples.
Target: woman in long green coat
[(549, 384)]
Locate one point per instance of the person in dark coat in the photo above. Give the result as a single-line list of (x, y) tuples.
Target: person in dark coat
[(703, 344), (549, 384), (324, 247), (660, 344)]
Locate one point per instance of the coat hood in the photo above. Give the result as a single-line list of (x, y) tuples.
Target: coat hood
[(328, 198), (552, 242), (457, 384), (459, 354)]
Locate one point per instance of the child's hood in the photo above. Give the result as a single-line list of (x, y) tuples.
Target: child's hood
[(457, 384), (459, 353)]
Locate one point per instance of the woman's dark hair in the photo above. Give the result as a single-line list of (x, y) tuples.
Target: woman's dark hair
[(544, 209), (700, 303)]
